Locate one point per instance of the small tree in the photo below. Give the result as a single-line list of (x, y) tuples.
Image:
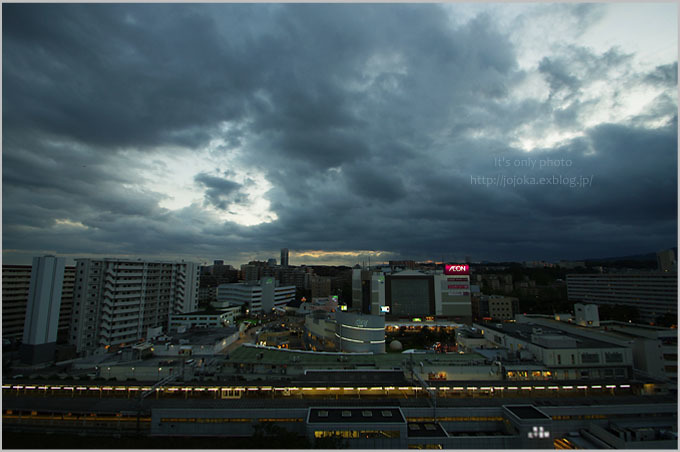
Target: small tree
[(331, 442), (268, 435)]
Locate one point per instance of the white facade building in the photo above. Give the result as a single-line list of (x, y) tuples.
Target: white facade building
[(198, 320), (262, 296), (586, 314), (567, 354), (117, 300), (655, 349)]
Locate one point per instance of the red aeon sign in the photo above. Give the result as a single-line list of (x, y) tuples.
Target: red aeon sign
[(456, 269)]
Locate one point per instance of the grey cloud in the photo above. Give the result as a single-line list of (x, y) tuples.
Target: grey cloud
[(375, 182), (557, 75), (368, 121), (666, 74), (220, 192), (68, 76)]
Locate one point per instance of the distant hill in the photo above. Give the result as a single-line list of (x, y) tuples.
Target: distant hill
[(634, 257)]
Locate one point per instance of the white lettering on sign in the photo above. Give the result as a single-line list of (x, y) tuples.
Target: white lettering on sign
[(361, 323), (456, 269)]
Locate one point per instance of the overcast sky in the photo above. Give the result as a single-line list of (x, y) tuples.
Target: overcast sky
[(229, 131)]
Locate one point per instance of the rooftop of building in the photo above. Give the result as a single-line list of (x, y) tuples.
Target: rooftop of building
[(470, 332), (609, 327), (254, 284), (294, 304), (134, 261), (206, 313), (527, 412), (636, 273), (632, 327), (332, 415), (425, 430), (410, 273), (525, 331), (202, 336), (319, 360), (398, 323)]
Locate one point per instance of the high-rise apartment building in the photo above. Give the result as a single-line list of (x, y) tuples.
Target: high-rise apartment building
[(16, 281), (653, 294), (117, 300), (284, 257), (42, 309)]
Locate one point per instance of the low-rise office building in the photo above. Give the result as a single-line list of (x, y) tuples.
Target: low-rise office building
[(361, 428), (654, 349), (199, 341), (564, 355), (262, 296), (319, 332), (326, 304), (199, 320)]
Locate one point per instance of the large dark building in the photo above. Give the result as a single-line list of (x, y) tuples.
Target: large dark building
[(412, 294), (653, 294)]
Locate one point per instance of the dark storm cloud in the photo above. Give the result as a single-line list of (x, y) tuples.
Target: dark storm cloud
[(666, 74), (375, 183), (113, 75), (367, 120), (220, 192), (558, 75), (578, 66), (633, 173)]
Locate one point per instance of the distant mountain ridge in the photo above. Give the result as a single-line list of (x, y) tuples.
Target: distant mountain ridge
[(634, 257)]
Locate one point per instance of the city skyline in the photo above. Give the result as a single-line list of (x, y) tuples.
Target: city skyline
[(202, 132)]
